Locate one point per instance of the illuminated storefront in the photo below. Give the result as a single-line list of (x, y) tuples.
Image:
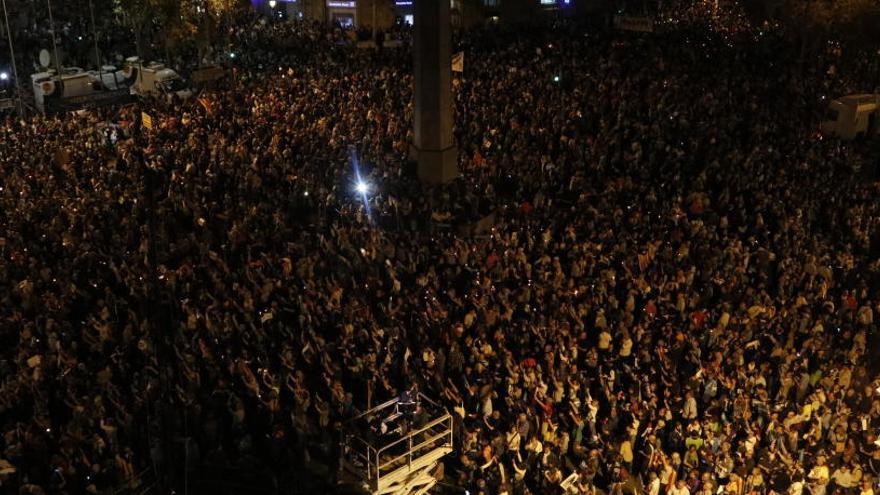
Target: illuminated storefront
[(403, 9), (342, 12), (554, 4)]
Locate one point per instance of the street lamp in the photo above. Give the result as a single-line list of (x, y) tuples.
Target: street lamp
[(362, 188), (12, 58), (272, 4)]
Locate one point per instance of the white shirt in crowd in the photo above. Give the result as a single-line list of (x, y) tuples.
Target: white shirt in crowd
[(689, 411), (679, 491)]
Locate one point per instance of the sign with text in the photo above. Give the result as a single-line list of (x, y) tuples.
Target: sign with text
[(146, 120), (458, 62)]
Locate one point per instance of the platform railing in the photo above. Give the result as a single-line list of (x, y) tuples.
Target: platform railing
[(445, 420), (376, 461)]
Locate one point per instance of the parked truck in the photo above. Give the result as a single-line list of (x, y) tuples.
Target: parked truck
[(76, 88), (154, 79), (853, 116)]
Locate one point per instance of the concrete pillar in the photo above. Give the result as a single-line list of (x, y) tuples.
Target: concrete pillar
[(434, 147)]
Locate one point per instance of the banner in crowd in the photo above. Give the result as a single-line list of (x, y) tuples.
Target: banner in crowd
[(634, 23), (207, 105), (458, 62), (146, 120)]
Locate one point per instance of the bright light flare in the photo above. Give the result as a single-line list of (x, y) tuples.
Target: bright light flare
[(4, 76), (361, 187)]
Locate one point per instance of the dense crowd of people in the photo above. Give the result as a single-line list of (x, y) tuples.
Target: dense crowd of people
[(676, 295)]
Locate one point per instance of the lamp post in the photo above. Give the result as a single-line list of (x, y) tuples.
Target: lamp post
[(54, 41), (14, 64), (95, 37)]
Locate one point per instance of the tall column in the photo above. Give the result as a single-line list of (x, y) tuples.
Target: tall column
[(433, 148)]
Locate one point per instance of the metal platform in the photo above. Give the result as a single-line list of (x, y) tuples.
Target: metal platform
[(389, 451)]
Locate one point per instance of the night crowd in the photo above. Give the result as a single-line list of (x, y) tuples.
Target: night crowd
[(676, 294)]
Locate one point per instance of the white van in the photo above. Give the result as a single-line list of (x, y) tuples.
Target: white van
[(49, 86), (111, 78), (54, 92), (155, 79), (852, 116)]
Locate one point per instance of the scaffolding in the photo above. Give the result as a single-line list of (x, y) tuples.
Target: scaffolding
[(390, 450)]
